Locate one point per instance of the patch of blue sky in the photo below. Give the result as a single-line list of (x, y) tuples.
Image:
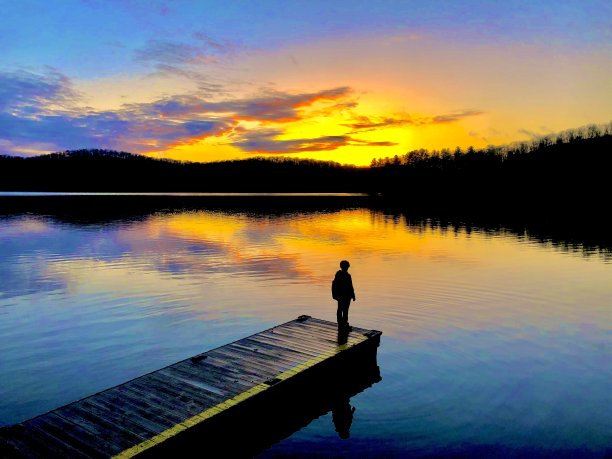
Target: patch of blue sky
[(92, 38)]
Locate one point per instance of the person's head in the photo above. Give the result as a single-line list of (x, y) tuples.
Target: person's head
[(344, 265)]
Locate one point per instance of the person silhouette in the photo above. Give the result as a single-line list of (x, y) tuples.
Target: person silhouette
[(343, 292), (342, 417)]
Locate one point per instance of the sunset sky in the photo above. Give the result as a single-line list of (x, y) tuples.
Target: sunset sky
[(334, 80)]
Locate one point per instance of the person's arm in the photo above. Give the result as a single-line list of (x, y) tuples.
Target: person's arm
[(352, 289)]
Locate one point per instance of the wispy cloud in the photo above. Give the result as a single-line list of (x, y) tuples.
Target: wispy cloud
[(536, 134), (225, 47), (206, 86), (27, 93), (366, 123), (202, 49), (272, 106), (169, 52), (455, 116), (276, 106), (268, 141)]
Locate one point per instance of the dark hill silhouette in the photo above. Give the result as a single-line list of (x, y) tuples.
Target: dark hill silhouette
[(104, 170)]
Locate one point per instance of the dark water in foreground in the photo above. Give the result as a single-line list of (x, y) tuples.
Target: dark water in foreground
[(495, 344)]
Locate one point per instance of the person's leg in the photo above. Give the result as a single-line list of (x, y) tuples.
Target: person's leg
[(348, 303), (342, 315)]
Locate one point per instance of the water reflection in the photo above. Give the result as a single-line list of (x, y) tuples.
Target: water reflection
[(586, 235), (496, 334), (342, 416)]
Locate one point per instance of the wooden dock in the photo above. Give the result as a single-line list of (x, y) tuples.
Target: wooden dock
[(197, 399)]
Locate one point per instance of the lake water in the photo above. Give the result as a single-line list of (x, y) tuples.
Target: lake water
[(494, 343)]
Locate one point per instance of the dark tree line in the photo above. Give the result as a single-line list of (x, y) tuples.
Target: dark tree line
[(571, 169)]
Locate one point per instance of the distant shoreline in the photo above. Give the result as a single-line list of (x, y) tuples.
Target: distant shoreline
[(170, 194)]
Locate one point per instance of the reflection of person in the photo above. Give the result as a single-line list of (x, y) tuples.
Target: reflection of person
[(342, 417), (343, 292)]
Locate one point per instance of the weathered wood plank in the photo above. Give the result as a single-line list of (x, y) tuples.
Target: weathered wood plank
[(228, 372), (141, 413), (203, 378), (108, 405), (191, 397), (123, 422), (326, 325), (31, 442), (107, 430), (278, 349), (297, 340), (304, 344), (192, 387), (184, 404), (279, 340), (310, 333), (222, 375), (283, 355), (317, 341), (73, 435), (259, 360), (170, 409), (240, 361), (329, 332)]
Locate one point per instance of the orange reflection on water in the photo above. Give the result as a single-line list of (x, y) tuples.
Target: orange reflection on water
[(409, 279)]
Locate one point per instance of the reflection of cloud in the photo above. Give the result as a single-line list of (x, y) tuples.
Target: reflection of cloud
[(181, 255), (26, 276), (42, 256), (21, 227), (218, 243)]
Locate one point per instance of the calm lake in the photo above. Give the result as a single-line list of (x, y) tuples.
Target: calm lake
[(495, 343)]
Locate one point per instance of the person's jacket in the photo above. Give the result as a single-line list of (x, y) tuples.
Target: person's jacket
[(342, 286)]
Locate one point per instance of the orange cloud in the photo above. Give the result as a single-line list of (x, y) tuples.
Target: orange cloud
[(268, 141), (365, 123)]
